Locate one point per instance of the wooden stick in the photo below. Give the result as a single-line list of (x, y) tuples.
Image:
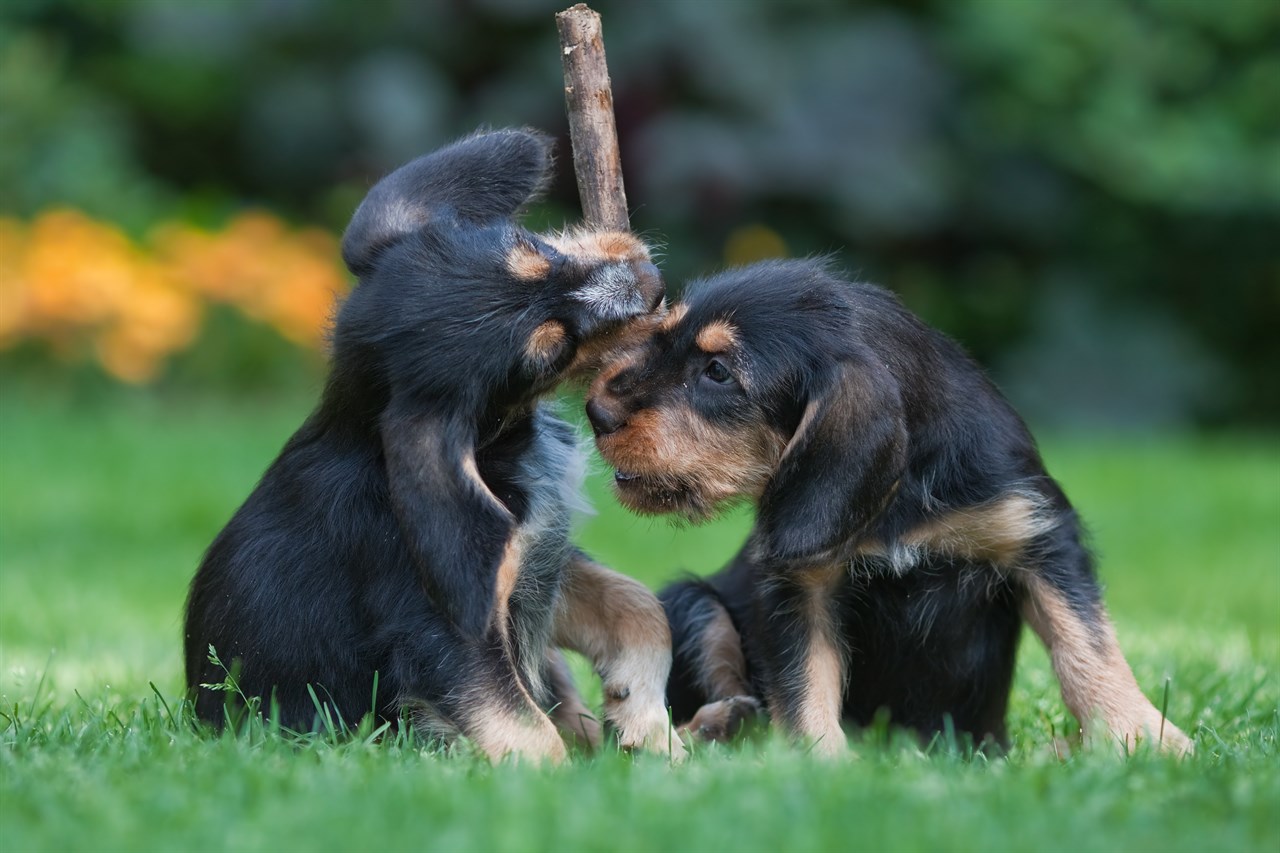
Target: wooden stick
[(588, 96)]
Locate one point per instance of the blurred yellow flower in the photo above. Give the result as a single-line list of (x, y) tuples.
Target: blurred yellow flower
[(85, 289), (752, 243)]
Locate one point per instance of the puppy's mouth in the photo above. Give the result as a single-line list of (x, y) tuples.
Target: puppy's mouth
[(652, 494)]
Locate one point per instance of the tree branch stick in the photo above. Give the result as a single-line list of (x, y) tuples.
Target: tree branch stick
[(588, 96)]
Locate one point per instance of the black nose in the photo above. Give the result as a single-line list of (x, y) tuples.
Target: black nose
[(602, 420)]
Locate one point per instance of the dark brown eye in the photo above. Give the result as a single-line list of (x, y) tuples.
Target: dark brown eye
[(718, 373)]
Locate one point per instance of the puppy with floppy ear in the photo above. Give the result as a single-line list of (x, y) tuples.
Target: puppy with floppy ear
[(905, 523), (410, 546)]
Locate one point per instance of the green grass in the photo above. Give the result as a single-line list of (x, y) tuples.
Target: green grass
[(106, 507)]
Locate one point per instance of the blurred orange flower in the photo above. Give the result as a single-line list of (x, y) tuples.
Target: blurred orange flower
[(85, 289)]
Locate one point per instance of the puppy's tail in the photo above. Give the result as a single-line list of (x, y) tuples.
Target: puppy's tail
[(708, 663), (481, 178)]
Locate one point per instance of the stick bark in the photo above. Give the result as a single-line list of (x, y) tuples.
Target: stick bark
[(588, 95)]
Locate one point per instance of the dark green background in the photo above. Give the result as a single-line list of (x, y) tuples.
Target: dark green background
[(1087, 194)]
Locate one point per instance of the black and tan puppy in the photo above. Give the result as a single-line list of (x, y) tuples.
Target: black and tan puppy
[(905, 523), (410, 546)]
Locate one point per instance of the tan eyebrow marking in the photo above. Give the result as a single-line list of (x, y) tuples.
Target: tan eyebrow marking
[(527, 263), (716, 336), (676, 313), (545, 341)]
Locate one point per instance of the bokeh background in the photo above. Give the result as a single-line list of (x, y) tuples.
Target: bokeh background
[(1086, 194)]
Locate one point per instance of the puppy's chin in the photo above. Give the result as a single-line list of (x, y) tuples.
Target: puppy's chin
[(648, 494)]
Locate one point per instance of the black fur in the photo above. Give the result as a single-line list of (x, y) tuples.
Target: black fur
[(370, 546), (921, 647), (888, 425)]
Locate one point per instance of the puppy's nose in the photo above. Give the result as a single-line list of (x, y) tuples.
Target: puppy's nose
[(603, 421)]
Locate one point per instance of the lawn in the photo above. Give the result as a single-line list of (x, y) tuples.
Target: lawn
[(106, 506)]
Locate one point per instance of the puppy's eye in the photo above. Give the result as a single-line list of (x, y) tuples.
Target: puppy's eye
[(718, 373)]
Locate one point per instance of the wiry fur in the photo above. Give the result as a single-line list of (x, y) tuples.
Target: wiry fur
[(414, 532), (905, 522)]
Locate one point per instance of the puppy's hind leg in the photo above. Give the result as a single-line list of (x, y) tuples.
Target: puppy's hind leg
[(1064, 607), (709, 691), (569, 713), (619, 626), (483, 700)]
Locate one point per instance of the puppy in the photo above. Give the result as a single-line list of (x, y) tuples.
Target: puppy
[(905, 524), (409, 549)]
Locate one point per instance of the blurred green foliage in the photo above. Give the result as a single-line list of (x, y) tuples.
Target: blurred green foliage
[(1087, 194)]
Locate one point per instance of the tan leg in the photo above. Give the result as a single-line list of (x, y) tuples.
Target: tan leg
[(818, 716), (570, 714), (492, 708), (620, 627), (803, 657), (1098, 686), (501, 732)]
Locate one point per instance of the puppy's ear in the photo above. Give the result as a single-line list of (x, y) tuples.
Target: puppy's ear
[(839, 470), (456, 529), (478, 179)]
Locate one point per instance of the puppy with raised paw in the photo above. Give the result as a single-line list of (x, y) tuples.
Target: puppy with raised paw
[(905, 523), (409, 549)]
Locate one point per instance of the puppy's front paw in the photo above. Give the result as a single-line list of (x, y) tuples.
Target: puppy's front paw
[(722, 721), (644, 725), (657, 735), (618, 280), (1149, 731), (1174, 740), (832, 746)]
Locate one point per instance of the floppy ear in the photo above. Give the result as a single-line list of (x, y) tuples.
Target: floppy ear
[(838, 472), (453, 525), (478, 179)]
